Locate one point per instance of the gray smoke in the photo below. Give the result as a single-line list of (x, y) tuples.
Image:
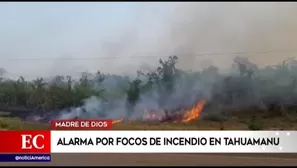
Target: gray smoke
[(192, 31)]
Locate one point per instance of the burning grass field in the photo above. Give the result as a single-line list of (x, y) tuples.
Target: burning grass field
[(233, 123), (171, 99), (189, 120)]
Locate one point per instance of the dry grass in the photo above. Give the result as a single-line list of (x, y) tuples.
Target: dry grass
[(16, 124), (237, 124), (276, 123)]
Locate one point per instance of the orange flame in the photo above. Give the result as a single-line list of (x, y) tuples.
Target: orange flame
[(194, 112), (117, 121), (189, 115)]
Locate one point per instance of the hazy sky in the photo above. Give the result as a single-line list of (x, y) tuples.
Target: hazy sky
[(35, 37)]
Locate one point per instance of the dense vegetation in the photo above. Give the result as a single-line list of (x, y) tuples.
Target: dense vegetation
[(272, 88)]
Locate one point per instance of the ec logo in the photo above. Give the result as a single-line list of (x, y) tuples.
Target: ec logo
[(28, 141)]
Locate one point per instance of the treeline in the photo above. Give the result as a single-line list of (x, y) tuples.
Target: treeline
[(63, 91), (247, 86)]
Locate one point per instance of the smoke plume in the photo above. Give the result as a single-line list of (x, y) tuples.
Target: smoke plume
[(252, 34)]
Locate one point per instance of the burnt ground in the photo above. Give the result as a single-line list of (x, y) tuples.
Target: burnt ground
[(166, 160)]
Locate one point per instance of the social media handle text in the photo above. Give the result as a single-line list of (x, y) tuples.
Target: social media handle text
[(25, 157)]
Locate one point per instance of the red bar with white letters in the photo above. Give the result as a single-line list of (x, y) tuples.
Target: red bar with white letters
[(25, 141), (81, 124)]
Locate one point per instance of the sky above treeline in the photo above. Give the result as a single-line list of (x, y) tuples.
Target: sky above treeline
[(49, 38)]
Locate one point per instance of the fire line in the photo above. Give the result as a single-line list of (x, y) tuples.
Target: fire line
[(187, 116)]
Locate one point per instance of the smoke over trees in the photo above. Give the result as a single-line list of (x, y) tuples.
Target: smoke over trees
[(270, 89)]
